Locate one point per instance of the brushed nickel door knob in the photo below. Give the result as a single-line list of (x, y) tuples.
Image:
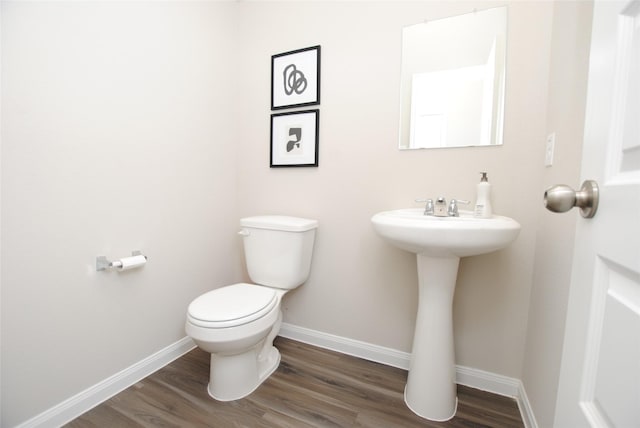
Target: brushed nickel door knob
[(561, 198)]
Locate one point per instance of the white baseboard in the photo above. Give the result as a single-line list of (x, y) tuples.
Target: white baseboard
[(102, 391), (89, 398), (474, 378), (487, 381), (343, 345), (525, 408)]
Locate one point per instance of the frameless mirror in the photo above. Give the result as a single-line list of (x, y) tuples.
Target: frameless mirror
[(453, 81)]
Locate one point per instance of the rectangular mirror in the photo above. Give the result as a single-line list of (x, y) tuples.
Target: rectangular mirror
[(453, 81)]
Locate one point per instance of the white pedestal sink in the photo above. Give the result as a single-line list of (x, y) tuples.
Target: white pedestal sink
[(439, 242)]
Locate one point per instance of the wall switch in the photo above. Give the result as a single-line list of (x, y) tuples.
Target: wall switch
[(548, 153)]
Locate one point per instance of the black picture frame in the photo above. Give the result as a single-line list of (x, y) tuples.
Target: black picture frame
[(295, 78), (294, 139)]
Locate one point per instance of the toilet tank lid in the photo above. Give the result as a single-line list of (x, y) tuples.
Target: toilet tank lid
[(279, 222)]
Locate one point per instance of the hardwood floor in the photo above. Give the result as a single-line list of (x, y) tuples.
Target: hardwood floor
[(313, 387)]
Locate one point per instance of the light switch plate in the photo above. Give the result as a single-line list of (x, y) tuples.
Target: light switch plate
[(550, 147)]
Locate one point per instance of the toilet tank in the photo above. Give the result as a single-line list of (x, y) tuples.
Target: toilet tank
[(278, 249)]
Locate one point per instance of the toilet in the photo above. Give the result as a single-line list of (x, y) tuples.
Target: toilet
[(237, 323)]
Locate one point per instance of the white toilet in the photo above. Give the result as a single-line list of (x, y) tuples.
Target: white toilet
[(237, 323)]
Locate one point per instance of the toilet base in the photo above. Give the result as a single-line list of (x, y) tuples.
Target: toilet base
[(235, 376)]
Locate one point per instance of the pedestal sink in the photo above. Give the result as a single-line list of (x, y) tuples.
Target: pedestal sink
[(439, 242)]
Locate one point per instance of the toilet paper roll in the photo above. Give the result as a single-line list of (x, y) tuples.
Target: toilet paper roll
[(132, 262)]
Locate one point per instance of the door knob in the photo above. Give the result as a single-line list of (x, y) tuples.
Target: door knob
[(561, 198)]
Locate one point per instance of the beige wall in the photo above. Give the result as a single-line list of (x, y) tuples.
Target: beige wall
[(146, 125), (555, 236), (115, 136), (361, 287)]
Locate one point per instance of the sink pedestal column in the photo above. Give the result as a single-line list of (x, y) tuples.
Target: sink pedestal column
[(431, 384)]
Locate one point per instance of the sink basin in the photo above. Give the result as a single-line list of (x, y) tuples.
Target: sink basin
[(438, 242), (462, 236)]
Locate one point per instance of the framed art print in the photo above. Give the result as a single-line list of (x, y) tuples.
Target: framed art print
[(295, 78), (294, 138)]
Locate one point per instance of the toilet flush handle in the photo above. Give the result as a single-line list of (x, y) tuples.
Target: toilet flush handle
[(244, 232)]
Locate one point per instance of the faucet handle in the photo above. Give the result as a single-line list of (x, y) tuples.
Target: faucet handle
[(453, 207), (428, 208)]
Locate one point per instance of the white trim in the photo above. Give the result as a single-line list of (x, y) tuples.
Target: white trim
[(356, 348), (525, 408), (478, 379), (89, 398), (487, 381), (86, 400)]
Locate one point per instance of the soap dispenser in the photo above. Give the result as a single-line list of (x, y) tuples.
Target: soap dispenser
[(483, 199)]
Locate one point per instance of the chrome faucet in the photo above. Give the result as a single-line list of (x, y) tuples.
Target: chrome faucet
[(439, 207)]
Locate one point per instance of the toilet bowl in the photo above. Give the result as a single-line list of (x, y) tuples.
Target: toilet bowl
[(237, 323)]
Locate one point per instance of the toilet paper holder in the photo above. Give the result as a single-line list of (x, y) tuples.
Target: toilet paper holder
[(102, 263)]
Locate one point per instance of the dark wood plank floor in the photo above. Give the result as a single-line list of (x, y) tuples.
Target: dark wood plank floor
[(313, 387)]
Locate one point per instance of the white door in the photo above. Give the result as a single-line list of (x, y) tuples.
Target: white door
[(600, 375)]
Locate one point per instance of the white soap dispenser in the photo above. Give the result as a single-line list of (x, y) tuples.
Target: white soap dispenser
[(483, 199)]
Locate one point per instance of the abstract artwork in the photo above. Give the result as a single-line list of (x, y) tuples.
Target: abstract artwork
[(294, 139), (295, 78)]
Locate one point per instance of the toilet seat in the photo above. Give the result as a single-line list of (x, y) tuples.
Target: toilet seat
[(231, 306)]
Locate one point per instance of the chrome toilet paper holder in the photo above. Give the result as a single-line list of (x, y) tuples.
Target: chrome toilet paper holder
[(102, 263)]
